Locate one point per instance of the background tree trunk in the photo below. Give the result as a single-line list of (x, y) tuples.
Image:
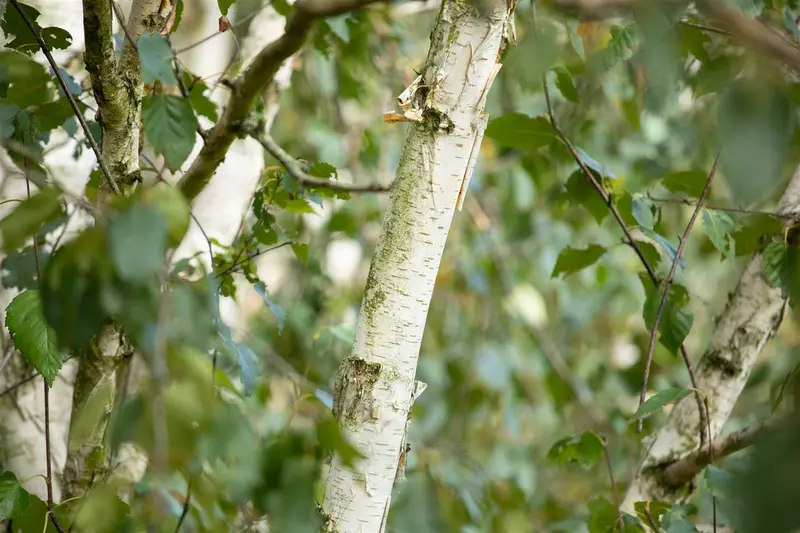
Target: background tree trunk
[(751, 318)]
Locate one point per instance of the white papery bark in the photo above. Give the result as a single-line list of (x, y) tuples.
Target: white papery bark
[(375, 385), (751, 318)]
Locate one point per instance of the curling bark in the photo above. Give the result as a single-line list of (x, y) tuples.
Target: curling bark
[(751, 318), (375, 386)]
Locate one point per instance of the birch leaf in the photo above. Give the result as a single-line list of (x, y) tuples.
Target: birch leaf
[(155, 56), (169, 125), (572, 260), (659, 400), (32, 336)]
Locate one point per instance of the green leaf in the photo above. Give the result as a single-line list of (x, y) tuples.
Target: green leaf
[(25, 41), (755, 126), (138, 243), (520, 131), (650, 253), (301, 252), (14, 500), (668, 247), (620, 47), (594, 164), (585, 450), (332, 440), (169, 125), (202, 104), (8, 113), (781, 262), (643, 212), (575, 39), (280, 315), (225, 5), (602, 516), (718, 226), (18, 269), (52, 115), (565, 84), (675, 523), (572, 260), (581, 191), (675, 322), (72, 285), (688, 182), (28, 217), (755, 232), (659, 400), (32, 336), (155, 56), (776, 264), (28, 83)]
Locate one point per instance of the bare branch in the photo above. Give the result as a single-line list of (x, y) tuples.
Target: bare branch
[(293, 167), (251, 83), (745, 30), (684, 470), (668, 283), (755, 34)]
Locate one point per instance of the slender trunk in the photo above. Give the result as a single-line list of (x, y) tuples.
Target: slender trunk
[(751, 318), (375, 385)]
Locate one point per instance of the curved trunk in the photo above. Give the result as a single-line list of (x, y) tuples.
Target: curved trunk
[(375, 385), (751, 318)]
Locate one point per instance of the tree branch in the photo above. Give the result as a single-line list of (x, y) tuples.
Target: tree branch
[(755, 34), (247, 87), (745, 30), (684, 470), (116, 86), (701, 407), (668, 283), (294, 168)]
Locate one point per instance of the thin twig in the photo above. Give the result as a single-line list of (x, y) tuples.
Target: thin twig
[(293, 167), (47, 441), (255, 254), (614, 490), (596, 184), (186, 503), (18, 384), (668, 283), (690, 202), (75, 109), (701, 406), (185, 92), (704, 27), (121, 20)]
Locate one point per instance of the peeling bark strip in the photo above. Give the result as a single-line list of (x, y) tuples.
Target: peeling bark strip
[(751, 318), (375, 385)]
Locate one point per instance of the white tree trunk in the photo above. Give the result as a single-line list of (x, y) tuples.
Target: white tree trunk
[(751, 318), (375, 385)]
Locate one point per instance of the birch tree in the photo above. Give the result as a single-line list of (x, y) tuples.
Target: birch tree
[(376, 387)]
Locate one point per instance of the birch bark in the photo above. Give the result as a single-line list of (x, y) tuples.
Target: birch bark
[(375, 385), (751, 318)]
